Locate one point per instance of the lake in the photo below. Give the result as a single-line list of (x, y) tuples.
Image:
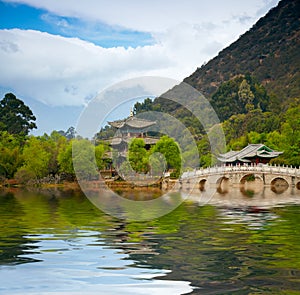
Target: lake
[(56, 241)]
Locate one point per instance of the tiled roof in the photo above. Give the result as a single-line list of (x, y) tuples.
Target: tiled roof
[(118, 140), (250, 151), (132, 122)]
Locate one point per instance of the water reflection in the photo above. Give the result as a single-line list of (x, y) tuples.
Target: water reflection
[(254, 217), (262, 197), (77, 248), (236, 244)]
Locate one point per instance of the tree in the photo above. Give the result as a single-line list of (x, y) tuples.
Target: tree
[(15, 116), (239, 96), (70, 133), (145, 106), (138, 156), (53, 144), (245, 95), (291, 127), (99, 154), (10, 154), (169, 148), (64, 159), (291, 133), (36, 157), (84, 159)]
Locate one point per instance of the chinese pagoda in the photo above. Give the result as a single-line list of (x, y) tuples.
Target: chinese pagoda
[(251, 154), (129, 128)]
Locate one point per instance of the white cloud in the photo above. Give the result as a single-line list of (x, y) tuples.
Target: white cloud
[(65, 71), (154, 15), (68, 71)]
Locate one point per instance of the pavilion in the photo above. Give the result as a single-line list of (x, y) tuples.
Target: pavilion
[(131, 127), (126, 130), (251, 154)]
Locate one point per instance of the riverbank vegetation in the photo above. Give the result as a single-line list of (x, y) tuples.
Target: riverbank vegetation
[(252, 85), (247, 114), (51, 158), (46, 159)]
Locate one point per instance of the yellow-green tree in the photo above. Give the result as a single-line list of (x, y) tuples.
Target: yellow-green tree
[(138, 155), (170, 149), (291, 133), (36, 158), (10, 154)]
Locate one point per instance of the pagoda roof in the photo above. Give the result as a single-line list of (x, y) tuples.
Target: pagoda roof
[(118, 140), (250, 151), (132, 122)]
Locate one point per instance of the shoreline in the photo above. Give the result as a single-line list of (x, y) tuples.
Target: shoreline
[(12, 183)]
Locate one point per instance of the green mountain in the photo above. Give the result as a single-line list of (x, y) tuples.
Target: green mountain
[(253, 86), (269, 51), (260, 71)]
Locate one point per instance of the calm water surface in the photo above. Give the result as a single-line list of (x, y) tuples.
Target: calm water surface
[(57, 242)]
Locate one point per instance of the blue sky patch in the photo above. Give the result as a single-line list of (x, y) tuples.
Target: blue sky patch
[(26, 17)]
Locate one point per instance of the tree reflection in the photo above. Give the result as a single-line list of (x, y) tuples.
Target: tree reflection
[(228, 249)]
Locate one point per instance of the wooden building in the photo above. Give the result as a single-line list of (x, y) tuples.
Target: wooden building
[(251, 154), (125, 131), (129, 128)]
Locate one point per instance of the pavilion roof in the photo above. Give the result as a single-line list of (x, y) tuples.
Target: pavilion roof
[(132, 122), (250, 151), (118, 140)]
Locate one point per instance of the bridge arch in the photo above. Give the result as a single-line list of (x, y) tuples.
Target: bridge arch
[(222, 179), (279, 185), (279, 181), (202, 184), (251, 177), (222, 184)]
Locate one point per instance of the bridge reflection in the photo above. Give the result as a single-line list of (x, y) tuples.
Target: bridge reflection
[(241, 197)]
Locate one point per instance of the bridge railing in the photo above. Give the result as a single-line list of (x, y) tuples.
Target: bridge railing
[(281, 170)]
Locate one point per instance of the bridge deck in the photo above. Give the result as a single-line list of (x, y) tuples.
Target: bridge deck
[(265, 169)]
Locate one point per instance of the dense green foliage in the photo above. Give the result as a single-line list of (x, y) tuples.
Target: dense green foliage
[(248, 115), (138, 155), (32, 158), (164, 155), (10, 154), (239, 96), (170, 150), (15, 116), (278, 132)]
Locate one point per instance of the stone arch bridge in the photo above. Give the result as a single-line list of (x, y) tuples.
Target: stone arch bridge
[(241, 175)]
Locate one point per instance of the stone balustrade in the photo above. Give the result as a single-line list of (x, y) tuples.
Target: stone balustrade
[(236, 174)]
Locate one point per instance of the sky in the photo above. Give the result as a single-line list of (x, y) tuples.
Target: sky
[(57, 55)]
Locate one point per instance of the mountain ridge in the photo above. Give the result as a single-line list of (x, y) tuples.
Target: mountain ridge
[(269, 51), (253, 86)]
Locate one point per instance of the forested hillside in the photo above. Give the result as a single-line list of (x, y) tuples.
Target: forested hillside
[(269, 51), (254, 87)]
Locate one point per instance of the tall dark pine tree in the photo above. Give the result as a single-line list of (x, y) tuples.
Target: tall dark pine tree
[(15, 116)]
